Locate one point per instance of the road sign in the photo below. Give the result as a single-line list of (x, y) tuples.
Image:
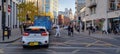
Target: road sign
[(9, 9)]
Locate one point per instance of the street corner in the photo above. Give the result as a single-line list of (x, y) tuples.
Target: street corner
[(10, 40)]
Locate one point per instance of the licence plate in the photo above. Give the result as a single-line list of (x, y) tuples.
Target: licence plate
[(33, 43)]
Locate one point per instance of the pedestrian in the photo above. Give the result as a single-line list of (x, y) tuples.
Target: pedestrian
[(83, 28), (24, 27), (90, 29), (78, 28), (57, 31), (71, 30), (9, 29)]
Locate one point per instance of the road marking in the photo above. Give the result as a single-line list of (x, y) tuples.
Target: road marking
[(109, 44), (99, 51), (1, 51), (118, 51), (58, 47), (82, 48), (101, 40), (54, 52), (75, 51), (102, 44), (92, 43), (56, 43), (17, 43)]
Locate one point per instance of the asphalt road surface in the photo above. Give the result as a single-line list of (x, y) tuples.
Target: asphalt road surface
[(76, 44)]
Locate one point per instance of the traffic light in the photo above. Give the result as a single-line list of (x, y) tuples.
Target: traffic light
[(4, 0), (79, 19)]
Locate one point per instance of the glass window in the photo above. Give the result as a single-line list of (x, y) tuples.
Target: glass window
[(118, 4), (112, 5), (35, 31)]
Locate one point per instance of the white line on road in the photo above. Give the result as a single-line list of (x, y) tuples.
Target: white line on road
[(73, 52), (118, 51), (83, 48), (92, 43), (1, 51), (52, 47)]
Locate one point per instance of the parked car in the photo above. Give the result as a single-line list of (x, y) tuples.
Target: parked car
[(35, 36)]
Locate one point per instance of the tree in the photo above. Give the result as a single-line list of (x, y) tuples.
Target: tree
[(27, 9)]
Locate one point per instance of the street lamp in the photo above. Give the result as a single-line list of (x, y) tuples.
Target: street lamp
[(3, 17)]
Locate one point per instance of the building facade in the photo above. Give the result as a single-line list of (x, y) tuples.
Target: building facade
[(79, 4), (71, 16), (67, 16), (105, 15), (10, 9)]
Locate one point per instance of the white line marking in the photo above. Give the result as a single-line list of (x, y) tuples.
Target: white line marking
[(73, 52), (1, 51), (92, 43), (71, 47)]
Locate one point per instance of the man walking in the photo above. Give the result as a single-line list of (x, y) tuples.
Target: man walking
[(72, 30), (57, 31), (90, 29), (69, 30), (78, 28)]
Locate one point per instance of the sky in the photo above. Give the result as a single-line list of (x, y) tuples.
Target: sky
[(67, 4)]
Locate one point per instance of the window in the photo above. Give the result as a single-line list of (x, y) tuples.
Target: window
[(93, 1), (93, 10), (118, 4), (35, 31), (112, 5)]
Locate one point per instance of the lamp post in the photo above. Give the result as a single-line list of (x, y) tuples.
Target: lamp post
[(3, 18)]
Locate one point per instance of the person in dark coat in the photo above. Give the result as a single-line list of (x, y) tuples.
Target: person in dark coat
[(69, 30), (90, 29), (78, 28)]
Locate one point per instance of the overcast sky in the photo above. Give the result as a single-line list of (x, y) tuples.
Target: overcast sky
[(67, 4)]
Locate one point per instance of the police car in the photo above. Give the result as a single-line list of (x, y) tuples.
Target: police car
[(35, 36)]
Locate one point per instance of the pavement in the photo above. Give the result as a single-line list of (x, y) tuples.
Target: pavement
[(15, 35), (99, 34)]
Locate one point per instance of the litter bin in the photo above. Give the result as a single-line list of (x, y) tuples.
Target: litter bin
[(6, 32)]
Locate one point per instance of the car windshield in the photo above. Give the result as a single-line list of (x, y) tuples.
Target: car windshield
[(35, 31)]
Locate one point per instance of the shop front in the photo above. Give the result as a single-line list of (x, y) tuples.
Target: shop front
[(99, 24), (114, 25)]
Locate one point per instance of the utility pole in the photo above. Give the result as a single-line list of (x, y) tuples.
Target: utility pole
[(3, 18)]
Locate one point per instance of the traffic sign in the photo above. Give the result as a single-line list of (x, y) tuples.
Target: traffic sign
[(9, 9)]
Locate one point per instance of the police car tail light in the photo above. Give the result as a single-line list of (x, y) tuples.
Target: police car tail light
[(25, 34), (44, 34)]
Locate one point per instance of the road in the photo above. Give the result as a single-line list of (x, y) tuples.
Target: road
[(77, 44)]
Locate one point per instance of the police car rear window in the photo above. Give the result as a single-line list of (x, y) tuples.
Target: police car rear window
[(35, 31)]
